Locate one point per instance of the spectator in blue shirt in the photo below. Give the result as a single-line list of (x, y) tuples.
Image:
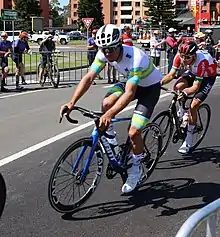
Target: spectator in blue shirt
[(92, 49), (5, 50), (20, 46)]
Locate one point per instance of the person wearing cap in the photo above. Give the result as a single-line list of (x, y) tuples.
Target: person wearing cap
[(5, 50), (155, 47), (127, 37), (172, 46), (20, 46), (199, 38)]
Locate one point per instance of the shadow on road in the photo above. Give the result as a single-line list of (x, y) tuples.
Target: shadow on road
[(156, 195), (205, 154)]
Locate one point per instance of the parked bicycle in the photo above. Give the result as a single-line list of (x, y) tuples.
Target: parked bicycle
[(83, 169), (2, 194), (50, 71), (168, 120)]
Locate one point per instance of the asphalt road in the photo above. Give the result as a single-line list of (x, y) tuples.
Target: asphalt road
[(177, 188)]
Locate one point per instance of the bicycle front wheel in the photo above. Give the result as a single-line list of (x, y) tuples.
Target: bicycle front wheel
[(55, 76), (2, 194), (165, 121), (202, 125), (67, 189), (152, 137)]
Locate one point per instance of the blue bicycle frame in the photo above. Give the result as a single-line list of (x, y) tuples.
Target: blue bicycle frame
[(96, 136)]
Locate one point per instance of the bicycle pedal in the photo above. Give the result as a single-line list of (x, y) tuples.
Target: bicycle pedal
[(110, 172)]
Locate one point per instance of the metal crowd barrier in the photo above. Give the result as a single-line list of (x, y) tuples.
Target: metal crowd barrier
[(72, 65), (207, 213)]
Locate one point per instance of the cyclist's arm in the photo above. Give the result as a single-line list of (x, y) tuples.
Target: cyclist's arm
[(202, 69), (170, 76), (97, 66)]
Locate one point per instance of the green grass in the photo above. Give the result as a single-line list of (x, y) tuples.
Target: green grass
[(64, 60), (72, 42)]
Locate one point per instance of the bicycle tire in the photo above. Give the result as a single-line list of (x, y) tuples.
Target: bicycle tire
[(55, 84), (208, 109), (156, 128), (170, 124), (54, 201), (2, 194)]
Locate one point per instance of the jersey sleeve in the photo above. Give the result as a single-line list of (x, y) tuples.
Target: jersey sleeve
[(139, 70), (99, 62), (176, 62), (202, 68)]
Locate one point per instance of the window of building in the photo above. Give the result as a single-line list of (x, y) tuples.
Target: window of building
[(125, 12), (115, 4), (137, 13), (116, 22), (137, 4), (145, 13), (126, 4), (75, 13), (74, 5), (126, 21), (115, 13)]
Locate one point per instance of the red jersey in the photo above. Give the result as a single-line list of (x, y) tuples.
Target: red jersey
[(202, 67), (127, 39)]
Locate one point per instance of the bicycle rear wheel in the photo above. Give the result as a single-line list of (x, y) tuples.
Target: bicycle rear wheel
[(202, 125), (152, 137), (55, 76), (2, 194), (66, 176), (164, 120)]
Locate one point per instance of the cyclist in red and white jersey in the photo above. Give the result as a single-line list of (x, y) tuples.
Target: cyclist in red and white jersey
[(198, 78)]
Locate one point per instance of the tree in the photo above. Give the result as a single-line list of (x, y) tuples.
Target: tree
[(91, 8), (26, 9), (56, 13), (66, 13), (161, 11)]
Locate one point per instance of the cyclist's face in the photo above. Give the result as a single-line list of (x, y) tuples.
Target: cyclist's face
[(111, 53), (187, 59)]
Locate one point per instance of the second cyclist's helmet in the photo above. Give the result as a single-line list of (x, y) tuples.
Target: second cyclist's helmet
[(188, 48)]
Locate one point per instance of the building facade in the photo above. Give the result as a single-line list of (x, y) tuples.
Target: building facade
[(119, 12), (44, 5)]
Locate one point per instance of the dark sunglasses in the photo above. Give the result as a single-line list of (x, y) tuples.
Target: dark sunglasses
[(111, 49), (187, 57)]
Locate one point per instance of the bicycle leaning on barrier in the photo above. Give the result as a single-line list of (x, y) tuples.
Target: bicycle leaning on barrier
[(50, 70), (82, 177)]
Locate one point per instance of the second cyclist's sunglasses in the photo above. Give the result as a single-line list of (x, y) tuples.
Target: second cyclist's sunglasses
[(187, 57)]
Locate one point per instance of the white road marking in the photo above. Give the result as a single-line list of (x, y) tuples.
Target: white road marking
[(60, 136), (19, 94)]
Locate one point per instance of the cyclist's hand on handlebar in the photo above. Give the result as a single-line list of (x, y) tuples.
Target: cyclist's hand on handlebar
[(104, 122), (66, 109), (182, 96)]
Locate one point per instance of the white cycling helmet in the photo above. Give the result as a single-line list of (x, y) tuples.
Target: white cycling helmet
[(108, 35)]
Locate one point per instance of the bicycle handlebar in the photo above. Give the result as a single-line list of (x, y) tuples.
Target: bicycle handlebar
[(85, 112)]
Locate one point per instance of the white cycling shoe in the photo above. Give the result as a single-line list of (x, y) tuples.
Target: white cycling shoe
[(133, 178), (184, 149)]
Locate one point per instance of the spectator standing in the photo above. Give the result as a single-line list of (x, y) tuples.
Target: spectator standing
[(155, 46), (172, 46), (20, 46), (127, 37), (92, 49), (5, 50)]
